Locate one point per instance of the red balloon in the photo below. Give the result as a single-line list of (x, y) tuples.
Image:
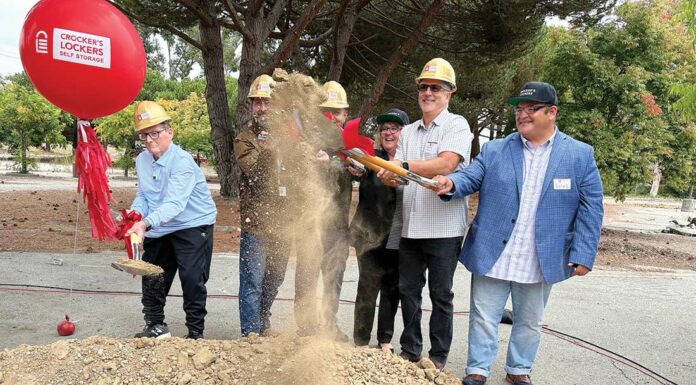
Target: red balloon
[(84, 56)]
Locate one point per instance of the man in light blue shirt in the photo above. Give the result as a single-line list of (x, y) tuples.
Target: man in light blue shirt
[(177, 227)]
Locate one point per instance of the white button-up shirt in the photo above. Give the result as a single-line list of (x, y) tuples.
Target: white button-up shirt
[(519, 261), (425, 215)]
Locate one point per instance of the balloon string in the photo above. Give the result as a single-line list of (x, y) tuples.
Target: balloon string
[(77, 222)]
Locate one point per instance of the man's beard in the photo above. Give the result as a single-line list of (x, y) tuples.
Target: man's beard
[(261, 121)]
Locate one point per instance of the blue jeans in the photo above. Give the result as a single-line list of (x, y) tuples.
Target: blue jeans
[(262, 266), (488, 298)]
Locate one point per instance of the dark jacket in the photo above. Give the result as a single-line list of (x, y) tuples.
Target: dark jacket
[(373, 217)]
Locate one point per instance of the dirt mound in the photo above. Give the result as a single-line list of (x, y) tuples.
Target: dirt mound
[(623, 248), (285, 360)]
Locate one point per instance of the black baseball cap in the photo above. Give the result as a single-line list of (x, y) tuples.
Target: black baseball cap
[(536, 92), (393, 115)]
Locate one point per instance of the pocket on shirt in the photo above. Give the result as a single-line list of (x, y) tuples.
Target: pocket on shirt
[(431, 150)]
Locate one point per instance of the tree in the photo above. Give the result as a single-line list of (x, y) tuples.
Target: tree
[(27, 119), (613, 82)]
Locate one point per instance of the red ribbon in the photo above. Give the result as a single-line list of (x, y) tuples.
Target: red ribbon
[(129, 219), (91, 162)]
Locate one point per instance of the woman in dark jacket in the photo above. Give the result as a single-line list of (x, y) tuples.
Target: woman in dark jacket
[(375, 233)]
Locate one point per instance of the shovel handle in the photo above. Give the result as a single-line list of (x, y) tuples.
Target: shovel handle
[(135, 239)]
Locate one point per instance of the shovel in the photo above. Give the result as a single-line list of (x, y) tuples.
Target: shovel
[(136, 266)]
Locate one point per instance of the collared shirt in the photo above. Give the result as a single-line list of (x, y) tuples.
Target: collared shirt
[(425, 215), (519, 261), (172, 192)]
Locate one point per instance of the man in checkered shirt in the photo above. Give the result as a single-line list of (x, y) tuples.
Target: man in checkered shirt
[(438, 143)]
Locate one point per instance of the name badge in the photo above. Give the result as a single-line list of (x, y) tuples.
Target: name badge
[(283, 191), (561, 184)]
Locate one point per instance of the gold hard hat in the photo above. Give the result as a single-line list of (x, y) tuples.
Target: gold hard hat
[(148, 114), (261, 87), (439, 69), (335, 95)]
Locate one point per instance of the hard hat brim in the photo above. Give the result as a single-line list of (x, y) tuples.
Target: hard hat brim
[(440, 78)]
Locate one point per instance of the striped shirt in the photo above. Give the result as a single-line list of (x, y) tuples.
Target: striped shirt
[(519, 261), (425, 215)]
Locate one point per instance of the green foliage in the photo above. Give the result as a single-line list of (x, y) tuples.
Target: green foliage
[(613, 82), (191, 124), (117, 130), (189, 121), (157, 87), (27, 119)]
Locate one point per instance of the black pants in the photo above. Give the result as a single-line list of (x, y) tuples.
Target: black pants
[(379, 274), (189, 251), (437, 256)]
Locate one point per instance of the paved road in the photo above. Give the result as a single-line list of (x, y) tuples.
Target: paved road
[(645, 316)]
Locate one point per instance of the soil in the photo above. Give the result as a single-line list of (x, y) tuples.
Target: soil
[(47, 220), (252, 360)]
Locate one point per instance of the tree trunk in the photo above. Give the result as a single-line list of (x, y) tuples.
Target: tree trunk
[(657, 177), (218, 110), (249, 63), (23, 161), (397, 57), (345, 21)]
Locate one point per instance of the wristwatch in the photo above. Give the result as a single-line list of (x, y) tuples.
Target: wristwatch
[(404, 165)]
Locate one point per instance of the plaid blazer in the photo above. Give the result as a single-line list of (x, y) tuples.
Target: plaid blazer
[(568, 218)]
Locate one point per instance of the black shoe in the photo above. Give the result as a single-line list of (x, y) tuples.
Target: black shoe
[(507, 317), (194, 335), (474, 379), (438, 362), (408, 358), (158, 331)]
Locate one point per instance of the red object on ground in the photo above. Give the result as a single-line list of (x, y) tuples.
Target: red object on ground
[(65, 327), (84, 56), (352, 139)]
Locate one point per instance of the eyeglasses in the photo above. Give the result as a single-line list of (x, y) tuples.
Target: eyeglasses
[(529, 110), (153, 135), (390, 129), (434, 88)]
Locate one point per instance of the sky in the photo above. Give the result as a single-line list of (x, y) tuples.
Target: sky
[(11, 20)]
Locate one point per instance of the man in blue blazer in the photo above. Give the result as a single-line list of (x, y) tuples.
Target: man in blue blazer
[(538, 223)]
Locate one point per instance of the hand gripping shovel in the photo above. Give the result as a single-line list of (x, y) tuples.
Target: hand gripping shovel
[(136, 266)]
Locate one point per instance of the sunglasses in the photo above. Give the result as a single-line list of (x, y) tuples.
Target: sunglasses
[(434, 88)]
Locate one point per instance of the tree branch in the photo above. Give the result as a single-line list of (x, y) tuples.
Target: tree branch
[(273, 17), (397, 57), (236, 24), (200, 13), (164, 26), (255, 7), (291, 40)]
